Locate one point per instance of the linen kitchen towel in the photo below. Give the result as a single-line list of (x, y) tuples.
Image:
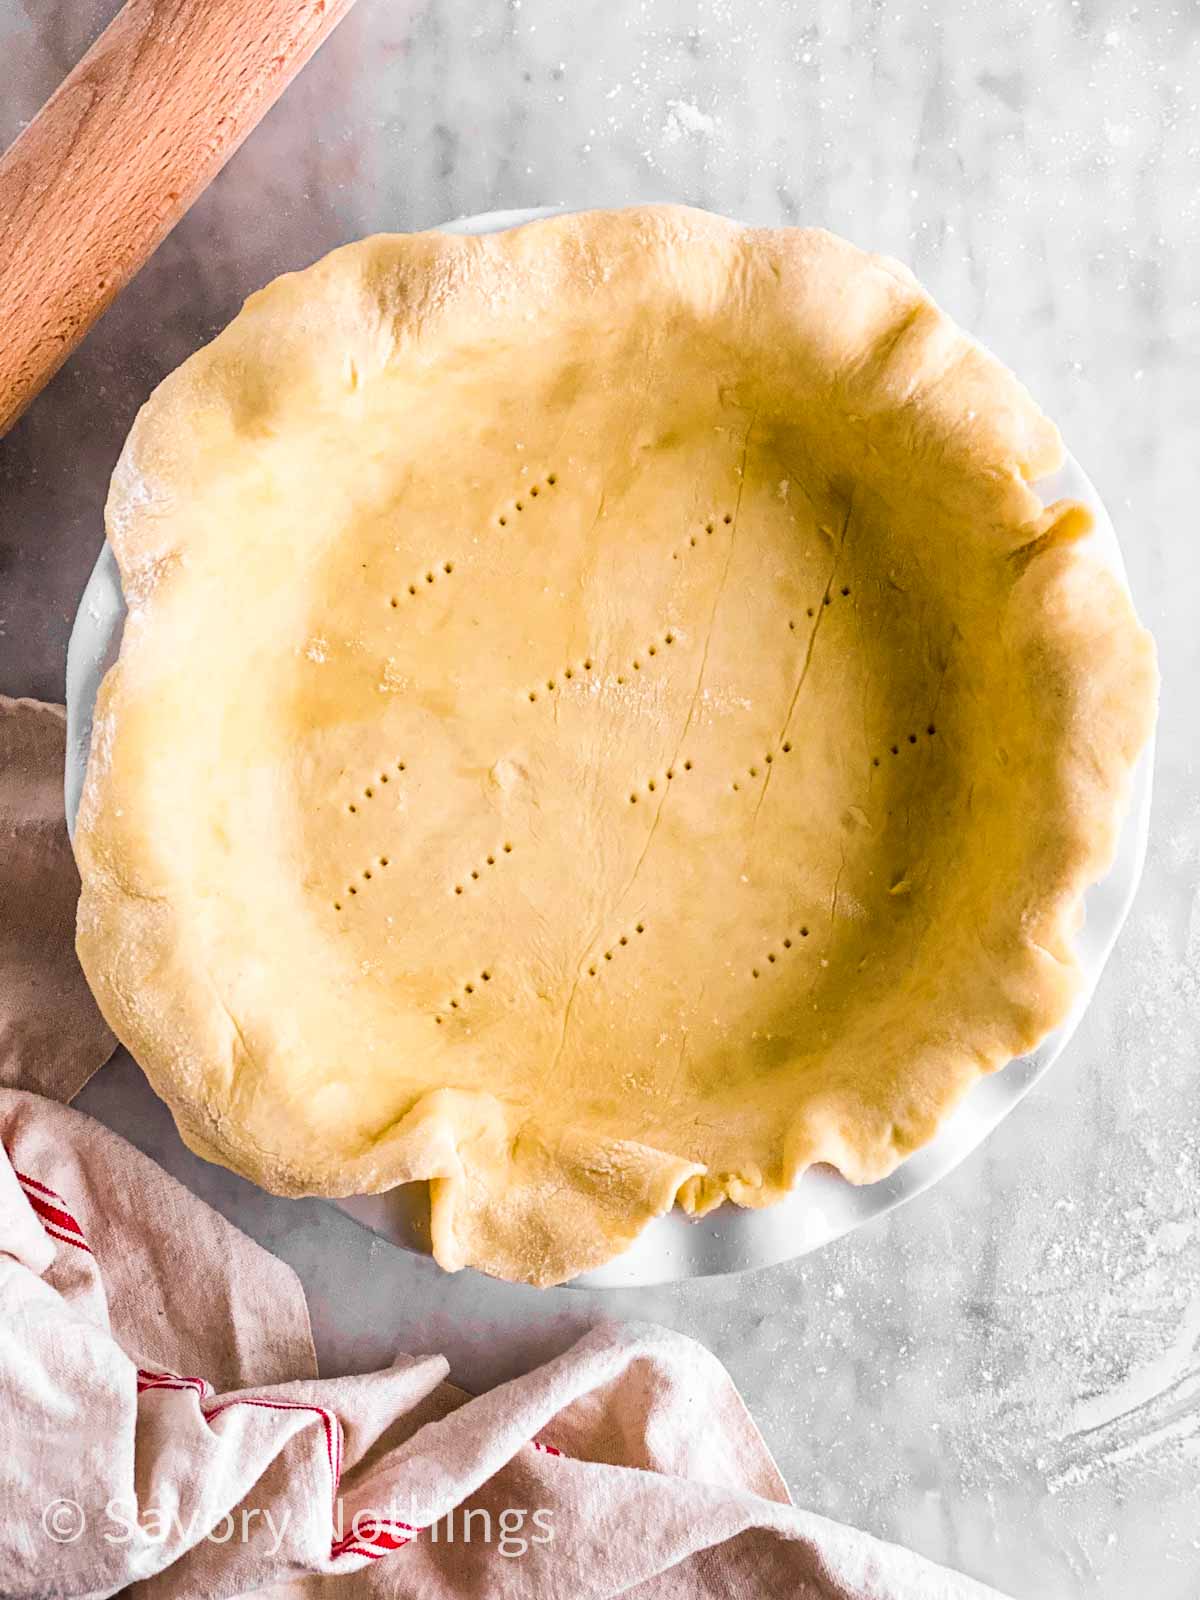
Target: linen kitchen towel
[(163, 1425), (52, 1037)]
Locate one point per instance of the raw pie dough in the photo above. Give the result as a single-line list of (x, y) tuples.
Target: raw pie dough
[(603, 720)]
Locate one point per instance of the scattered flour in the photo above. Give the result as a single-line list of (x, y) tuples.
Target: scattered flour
[(684, 118), (392, 680)]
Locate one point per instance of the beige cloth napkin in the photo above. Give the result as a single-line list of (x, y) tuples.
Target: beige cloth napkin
[(52, 1038), (163, 1425)]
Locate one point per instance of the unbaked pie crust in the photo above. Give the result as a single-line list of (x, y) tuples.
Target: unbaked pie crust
[(603, 720)]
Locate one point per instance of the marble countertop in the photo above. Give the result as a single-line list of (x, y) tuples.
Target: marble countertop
[(1006, 1373)]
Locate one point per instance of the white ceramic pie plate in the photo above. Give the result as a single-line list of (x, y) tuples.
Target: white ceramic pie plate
[(823, 1206)]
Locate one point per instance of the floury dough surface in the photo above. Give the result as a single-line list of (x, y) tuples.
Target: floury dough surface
[(683, 761)]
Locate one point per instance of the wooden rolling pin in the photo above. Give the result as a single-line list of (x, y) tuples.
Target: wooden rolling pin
[(117, 155)]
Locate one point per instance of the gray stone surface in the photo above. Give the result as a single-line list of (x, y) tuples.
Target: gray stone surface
[(1005, 1374)]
